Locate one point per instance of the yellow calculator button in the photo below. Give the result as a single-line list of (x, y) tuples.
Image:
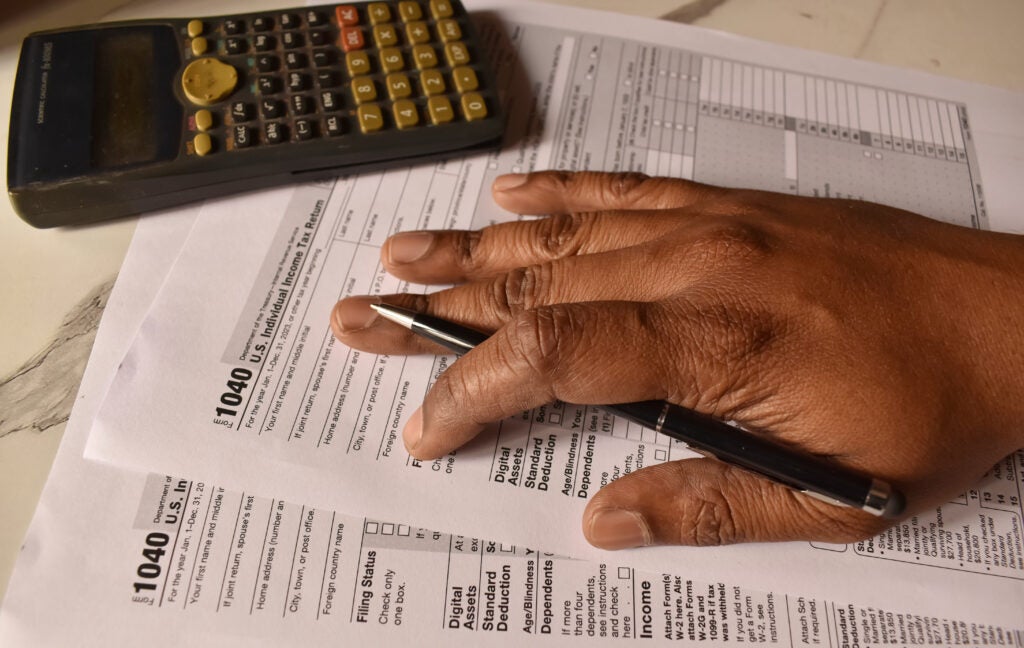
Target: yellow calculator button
[(206, 81), (441, 9), (417, 33), (357, 63), (473, 107), (409, 11), (432, 82), (391, 59), (199, 45), (385, 35), (406, 115), (202, 144), (398, 86), (465, 79), (195, 27), (440, 110), (448, 30), (456, 53), (364, 89), (425, 56), (204, 120), (378, 12), (370, 118)]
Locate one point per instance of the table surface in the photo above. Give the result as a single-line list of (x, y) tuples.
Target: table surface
[(56, 280)]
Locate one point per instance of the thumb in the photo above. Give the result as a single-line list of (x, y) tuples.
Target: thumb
[(705, 502)]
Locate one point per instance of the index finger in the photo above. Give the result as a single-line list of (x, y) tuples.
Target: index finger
[(541, 356), (562, 192)]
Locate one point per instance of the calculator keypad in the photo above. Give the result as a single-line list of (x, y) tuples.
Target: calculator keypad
[(345, 70)]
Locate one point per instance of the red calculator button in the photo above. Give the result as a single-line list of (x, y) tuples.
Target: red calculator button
[(347, 15), (352, 39)]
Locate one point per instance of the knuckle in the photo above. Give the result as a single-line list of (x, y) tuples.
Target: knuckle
[(456, 397), (562, 235), (449, 390), (444, 397), (624, 186), (711, 522), (541, 337), (467, 250), (521, 289), (705, 518), (724, 242), (656, 192), (421, 303), (562, 182)]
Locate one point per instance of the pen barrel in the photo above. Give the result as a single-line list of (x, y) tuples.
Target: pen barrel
[(706, 435), (454, 337)]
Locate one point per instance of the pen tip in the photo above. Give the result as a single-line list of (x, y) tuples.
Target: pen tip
[(375, 307)]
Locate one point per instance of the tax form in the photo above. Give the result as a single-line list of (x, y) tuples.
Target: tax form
[(235, 379), (178, 561)]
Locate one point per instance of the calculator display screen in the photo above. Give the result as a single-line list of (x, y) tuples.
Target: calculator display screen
[(124, 117)]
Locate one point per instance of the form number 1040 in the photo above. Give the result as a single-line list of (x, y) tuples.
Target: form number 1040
[(237, 383)]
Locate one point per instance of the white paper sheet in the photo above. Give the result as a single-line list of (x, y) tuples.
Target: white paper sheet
[(115, 557), (317, 423)]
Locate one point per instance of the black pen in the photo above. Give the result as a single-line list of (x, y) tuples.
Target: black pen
[(705, 435)]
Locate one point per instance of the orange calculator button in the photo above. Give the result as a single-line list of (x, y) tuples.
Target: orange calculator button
[(347, 15), (352, 39)]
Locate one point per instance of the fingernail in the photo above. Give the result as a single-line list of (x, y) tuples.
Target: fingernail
[(619, 529), (354, 313), (413, 431), (407, 247), (509, 181)]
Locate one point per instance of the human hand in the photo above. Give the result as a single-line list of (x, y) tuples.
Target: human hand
[(882, 340)]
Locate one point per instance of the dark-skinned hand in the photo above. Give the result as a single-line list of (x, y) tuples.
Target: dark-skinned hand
[(882, 340)]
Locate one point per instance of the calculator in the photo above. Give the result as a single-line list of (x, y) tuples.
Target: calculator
[(116, 119)]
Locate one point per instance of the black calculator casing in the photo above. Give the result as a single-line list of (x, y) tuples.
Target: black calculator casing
[(101, 126)]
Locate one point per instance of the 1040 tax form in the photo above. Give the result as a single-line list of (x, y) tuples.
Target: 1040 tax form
[(180, 561), (234, 377)]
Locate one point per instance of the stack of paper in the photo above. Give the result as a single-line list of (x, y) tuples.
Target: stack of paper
[(244, 479)]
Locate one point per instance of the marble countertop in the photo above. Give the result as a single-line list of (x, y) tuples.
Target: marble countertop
[(56, 281)]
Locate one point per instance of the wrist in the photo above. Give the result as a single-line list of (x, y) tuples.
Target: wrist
[(992, 317)]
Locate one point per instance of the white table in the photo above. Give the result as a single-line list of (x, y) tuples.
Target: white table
[(48, 273)]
